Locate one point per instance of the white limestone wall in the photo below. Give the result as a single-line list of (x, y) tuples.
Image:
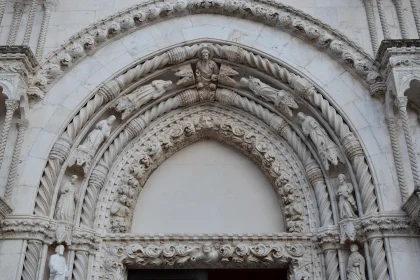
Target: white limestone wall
[(207, 188), (70, 16)]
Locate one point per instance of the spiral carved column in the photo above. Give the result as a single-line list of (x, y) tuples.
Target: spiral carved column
[(30, 23), (401, 18), (372, 24), (80, 267), (49, 5), (11, 106), (401, 102), (11, 180), (382, 17), (2, 9), (416, 12), (17, 17), (32, 258), (390, 120)]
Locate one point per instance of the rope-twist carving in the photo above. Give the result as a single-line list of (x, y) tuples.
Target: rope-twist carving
[(30, 265), (397, 157), (332, 265), (416, 13), (80, 265), (382, 17), (11, 106), (401, 18), (377, 253), (11, 180), (372, 24), (30, 23), (17, 17)]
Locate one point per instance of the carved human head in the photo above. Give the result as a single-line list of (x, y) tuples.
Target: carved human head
[(205, 54), (354, 248), (59, 250), (111, 119), (73, 178), (301, 116), (341, 178)]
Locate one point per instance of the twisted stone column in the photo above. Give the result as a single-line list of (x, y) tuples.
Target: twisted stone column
[(416, 13), (30, 23), (401, 102), (382, 17), (401, 19), (2, 9), (390, 120), (17, 17), (48, 6), (80, 267), (11, 106), (372, 25), (32, 257), (11, 180)]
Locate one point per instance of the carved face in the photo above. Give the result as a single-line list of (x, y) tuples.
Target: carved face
[(111, 119), (205, 55), (73, 178), (341, 178)]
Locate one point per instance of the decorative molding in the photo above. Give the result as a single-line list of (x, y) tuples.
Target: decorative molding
[(188, 127), (48, 6), (268, 12), (218, 253), (370, 15), (416, 13), (32, 258), (383, 19), (11, 106), (401, 18)]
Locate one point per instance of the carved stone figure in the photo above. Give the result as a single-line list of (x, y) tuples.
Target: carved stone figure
[(326, 148), (186, 75), (57, 264), (87, 150), (66, 202), (281, 98), (226, 75), (133, 101), (119, 211), (206, 73), (293, 209), (346, 202), (356, 265)]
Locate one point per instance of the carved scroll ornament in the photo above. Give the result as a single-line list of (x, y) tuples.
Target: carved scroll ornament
[(207, 254)]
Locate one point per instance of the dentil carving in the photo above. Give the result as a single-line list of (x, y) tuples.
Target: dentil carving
[(66, 202), (206, 73), (356, 265), (281, 98), (57, 264), (346, 203), (327, 149), (133, 101), (86, 151)]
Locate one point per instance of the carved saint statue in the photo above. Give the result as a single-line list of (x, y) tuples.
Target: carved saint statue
[(119, 212), (66, 202), (57, 264), (206, 73), (86, 151), (281, 98), (356, 265), (346, 202), (133, 101), (326, 148), (98, 135)]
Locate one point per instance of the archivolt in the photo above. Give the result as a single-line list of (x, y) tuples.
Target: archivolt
[(176, 130), (268, 12)]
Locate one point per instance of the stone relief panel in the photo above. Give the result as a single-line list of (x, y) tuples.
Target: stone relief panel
[(234, 252), (159, 142)]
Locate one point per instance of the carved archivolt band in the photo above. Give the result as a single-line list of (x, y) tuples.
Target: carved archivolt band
[(189, 126), (265, 11)]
